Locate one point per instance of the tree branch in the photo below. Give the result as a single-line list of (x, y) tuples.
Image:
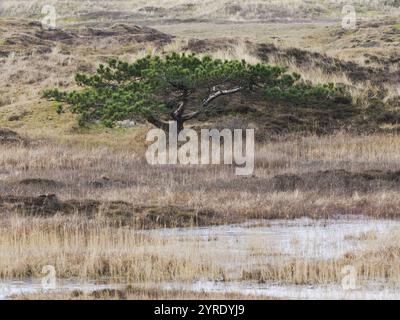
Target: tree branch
[(190, 116), (208, 100), (177, 114), (219, 93), (163, 125)]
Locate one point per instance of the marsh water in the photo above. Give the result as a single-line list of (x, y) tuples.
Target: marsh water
[(255, 243)]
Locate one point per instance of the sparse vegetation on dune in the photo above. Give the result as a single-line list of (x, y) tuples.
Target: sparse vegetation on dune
[(189, 10), (83, 199), (375, 96)]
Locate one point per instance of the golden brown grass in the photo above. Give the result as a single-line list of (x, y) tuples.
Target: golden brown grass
[(85, 249), (108, 165), (233, 10), (215, 187), (89, 248), (378, 264), (139, 293), (22, 107)]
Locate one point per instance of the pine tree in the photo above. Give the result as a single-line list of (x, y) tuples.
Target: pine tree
[(177, 87)]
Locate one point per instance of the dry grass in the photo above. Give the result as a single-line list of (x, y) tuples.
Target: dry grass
[(222, 10), (92, 248), (379, 263), (107, 165), (75, 169), (139, 293), (85, 249), (34, 72)]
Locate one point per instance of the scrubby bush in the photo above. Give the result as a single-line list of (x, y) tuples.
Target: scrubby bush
[(306, 93)]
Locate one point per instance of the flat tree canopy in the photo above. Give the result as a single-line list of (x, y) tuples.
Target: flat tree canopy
[(177, 87)]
